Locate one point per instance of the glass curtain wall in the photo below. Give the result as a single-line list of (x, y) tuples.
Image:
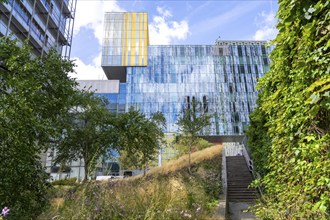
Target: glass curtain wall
[(222, 77), (46, 23), (125, 39)]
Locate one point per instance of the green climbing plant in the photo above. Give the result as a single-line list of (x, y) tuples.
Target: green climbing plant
[(294, 113)]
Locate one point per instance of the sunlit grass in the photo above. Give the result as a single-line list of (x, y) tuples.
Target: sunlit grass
[(183, 162), (167, 192)]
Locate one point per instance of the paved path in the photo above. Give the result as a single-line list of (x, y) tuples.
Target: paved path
[(236, 211)]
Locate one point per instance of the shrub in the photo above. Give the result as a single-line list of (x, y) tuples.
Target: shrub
[(290, 129), (65, 182), (182, 145)]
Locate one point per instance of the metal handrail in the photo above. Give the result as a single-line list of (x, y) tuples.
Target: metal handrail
[(250, 165)]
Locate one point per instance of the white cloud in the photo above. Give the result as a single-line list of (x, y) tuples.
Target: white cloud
[(164, 31), (266, 24), (88, 71), (90, 14)]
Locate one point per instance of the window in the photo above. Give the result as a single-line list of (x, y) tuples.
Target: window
[(231, 88), (241, 68), (239, 48), (265, 61), (263, 49), (249, 68), (188, 102), (205, 104)]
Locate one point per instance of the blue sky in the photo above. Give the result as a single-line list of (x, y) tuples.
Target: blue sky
[(171, 22)]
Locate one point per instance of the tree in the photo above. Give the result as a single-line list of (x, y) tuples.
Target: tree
[(140, 136), (294, 115), (181, 145), (89, 132), (191, 123), (34, 94)]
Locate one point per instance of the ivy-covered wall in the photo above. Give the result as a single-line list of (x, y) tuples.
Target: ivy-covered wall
[(290, 130)]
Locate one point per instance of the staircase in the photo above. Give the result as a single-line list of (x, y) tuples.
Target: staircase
[(238, 180)]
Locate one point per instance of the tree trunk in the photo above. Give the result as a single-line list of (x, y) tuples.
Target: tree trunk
[(189, 156), (86, 171), (145, 169)]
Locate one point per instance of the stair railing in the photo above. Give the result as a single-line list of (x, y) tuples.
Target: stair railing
[(249, 163)]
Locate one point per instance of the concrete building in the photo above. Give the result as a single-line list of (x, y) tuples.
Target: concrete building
[(45, 23)]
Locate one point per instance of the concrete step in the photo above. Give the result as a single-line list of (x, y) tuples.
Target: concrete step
[(238, 180), (254, 196), (241, 189), (242, 193)]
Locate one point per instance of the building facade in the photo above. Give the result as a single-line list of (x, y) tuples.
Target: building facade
[(45, 23), (166, 78), (222, 77), (125, 43)]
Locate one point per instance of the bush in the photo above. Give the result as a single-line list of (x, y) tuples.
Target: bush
[(290, 129), (65, 182), (182, 145)]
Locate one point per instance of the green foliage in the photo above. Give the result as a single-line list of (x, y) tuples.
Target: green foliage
[(182, 145), (178, 195), (139, 137), (89, 131), (65, 182), (259, 141), (34, 94), (193, 120), (191, 123), (294, 115), (128, 162)]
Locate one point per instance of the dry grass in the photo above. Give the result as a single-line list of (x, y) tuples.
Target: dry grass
[(182, 162), (57, 202), (168, 192)]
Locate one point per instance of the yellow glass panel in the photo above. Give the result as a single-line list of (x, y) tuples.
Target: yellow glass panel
[(140, 43), (132, 44), (133, 20), (127, 46)]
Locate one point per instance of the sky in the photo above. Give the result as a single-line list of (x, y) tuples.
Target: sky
[(179, 22)]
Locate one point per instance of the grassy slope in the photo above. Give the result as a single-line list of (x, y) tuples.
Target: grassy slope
[(167, 192)]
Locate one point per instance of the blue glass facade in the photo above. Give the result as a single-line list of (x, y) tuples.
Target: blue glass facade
[(222, 77), (117, 100)]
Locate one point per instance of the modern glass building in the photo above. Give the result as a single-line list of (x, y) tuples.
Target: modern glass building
[(108, 89), (46, 23), (222, 77), (125, 43), (166, 78)]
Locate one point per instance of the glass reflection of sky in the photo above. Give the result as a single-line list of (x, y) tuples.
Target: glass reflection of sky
[(227, 81)]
